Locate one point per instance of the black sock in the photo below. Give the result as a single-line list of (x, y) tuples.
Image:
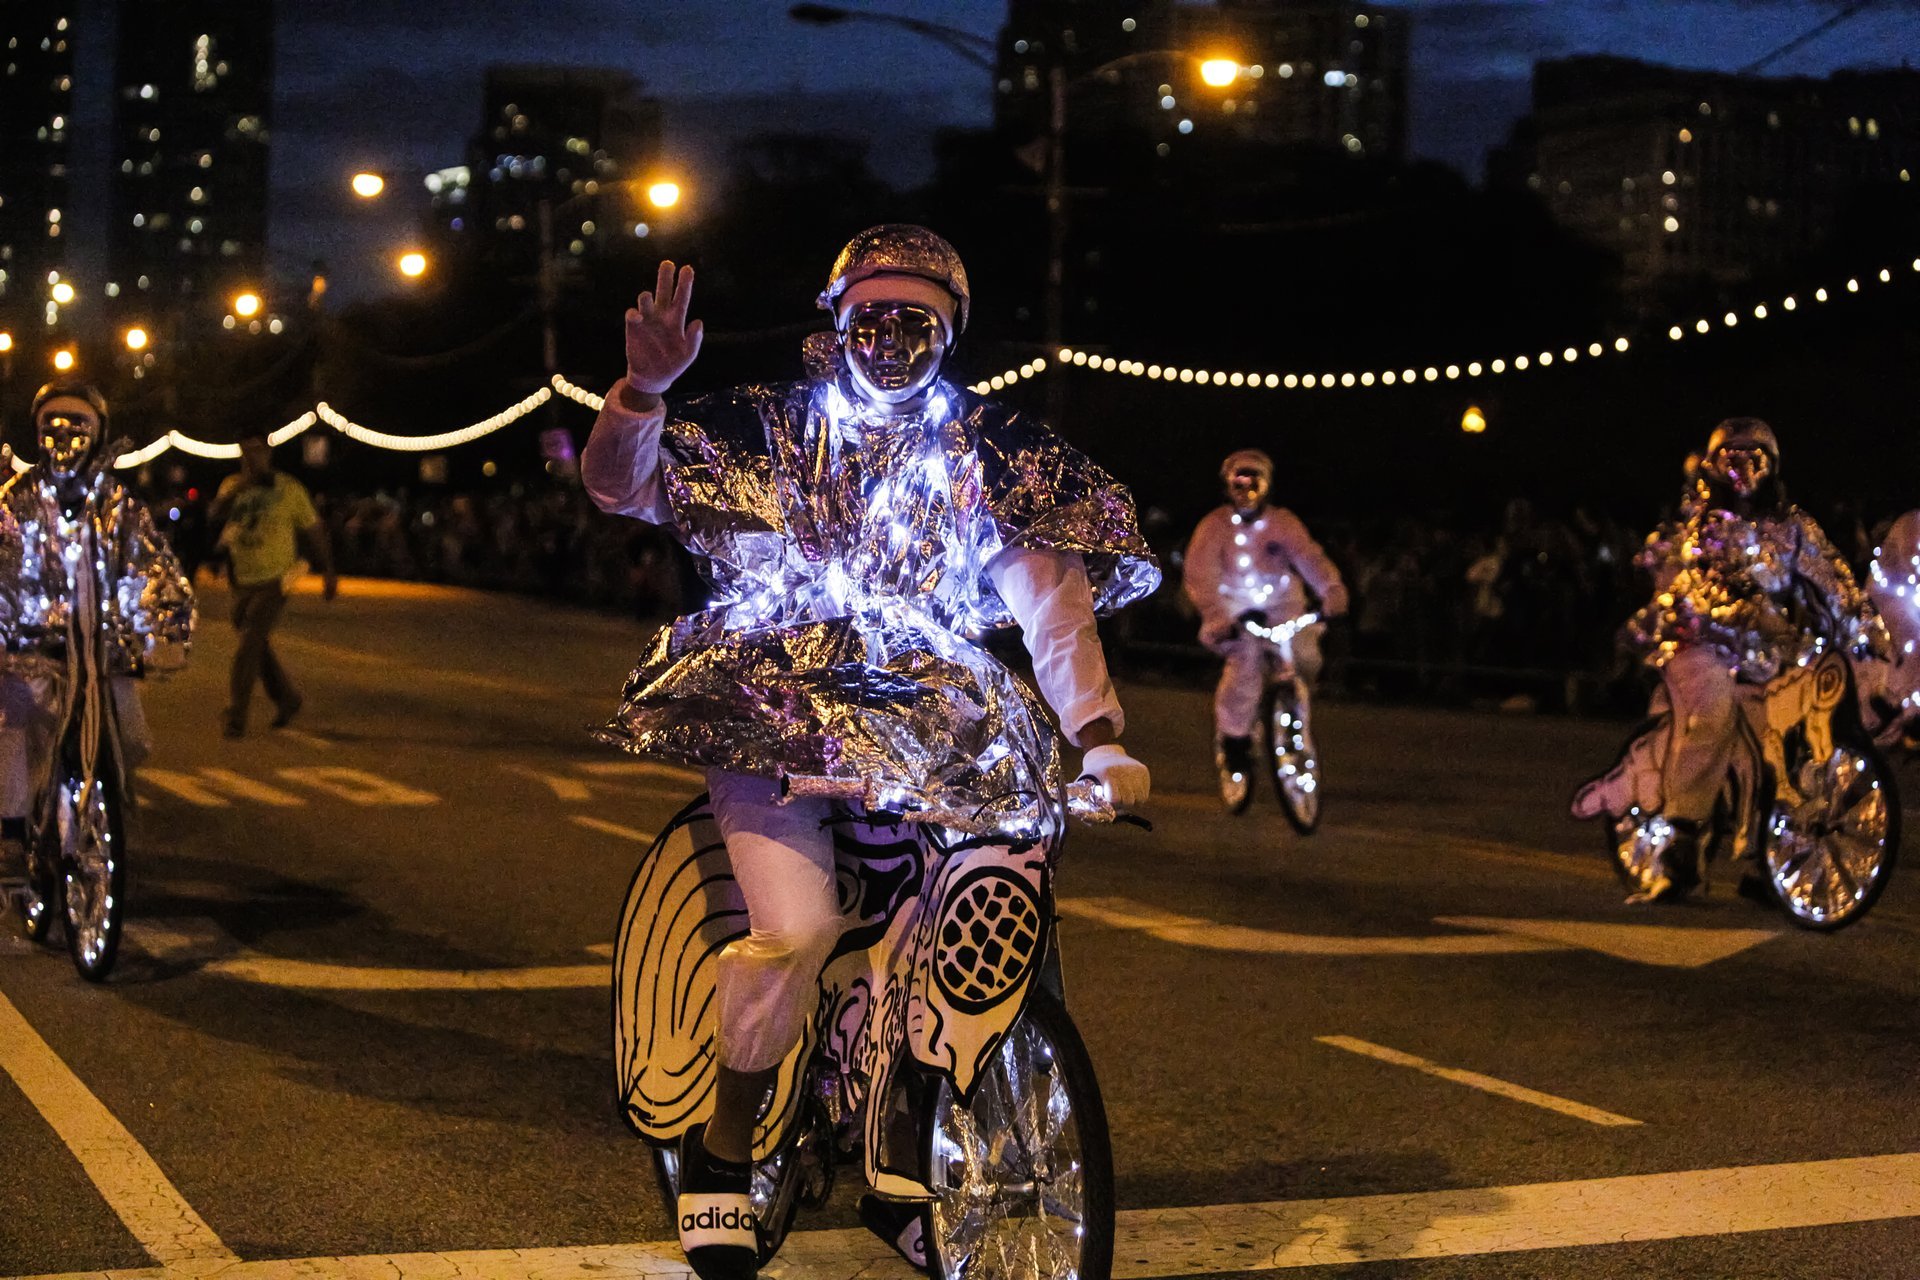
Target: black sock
[(704, 1172)]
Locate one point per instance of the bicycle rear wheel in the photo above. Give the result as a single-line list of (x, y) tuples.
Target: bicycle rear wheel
[(1295, 760), (1024, 1175)]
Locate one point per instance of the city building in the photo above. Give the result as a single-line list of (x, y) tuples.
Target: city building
[(1326, 74), (36, 106), (1698, 178), (193, 93), (572, 141)]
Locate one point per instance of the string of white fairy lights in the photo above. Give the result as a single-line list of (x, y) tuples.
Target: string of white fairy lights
[(1428, 373), (1410, 375)]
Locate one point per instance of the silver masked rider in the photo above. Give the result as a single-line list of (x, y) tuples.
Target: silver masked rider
[(79, 555), (861, 528), (1745, 584)]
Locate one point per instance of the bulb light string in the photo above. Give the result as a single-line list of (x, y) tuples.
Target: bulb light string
[(1452, 372), (1068, 356)]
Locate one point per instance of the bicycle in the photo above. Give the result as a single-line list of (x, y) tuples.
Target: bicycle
[(943, 1055), (76, 841), (1283, 732), (1810, 803)]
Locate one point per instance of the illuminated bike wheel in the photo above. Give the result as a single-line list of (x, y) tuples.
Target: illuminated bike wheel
[(1295, 759), (93, 870), (1024, 1175), (1236, 787), (1830, 856)]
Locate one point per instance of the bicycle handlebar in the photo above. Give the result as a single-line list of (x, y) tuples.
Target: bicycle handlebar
[(1283, 632), (1087, 801)]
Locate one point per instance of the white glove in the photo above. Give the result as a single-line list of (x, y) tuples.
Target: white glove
[(1126, 779)]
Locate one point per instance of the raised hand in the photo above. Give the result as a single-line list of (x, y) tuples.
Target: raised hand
[(660, 342)]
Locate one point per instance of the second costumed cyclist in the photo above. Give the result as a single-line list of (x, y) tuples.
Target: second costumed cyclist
[(859, 527)]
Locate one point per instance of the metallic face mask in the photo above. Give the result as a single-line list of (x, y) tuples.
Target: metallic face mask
[(1247, 488), (894, 351), (1742, 470), (66, 441)]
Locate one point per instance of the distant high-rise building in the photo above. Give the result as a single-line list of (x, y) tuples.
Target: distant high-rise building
[(1702, 177), (36, 107), (1317, 73), (558, 137), (193, 97)]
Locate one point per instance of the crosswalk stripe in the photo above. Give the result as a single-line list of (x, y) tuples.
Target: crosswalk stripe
[(1475, 1080), (1271, 1236), (154, 1211)]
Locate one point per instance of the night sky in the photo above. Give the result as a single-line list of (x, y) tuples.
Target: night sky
[(396, 87)]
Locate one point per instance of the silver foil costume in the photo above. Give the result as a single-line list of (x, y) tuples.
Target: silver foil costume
[(848, 552), (52, 555), (1769, 591)]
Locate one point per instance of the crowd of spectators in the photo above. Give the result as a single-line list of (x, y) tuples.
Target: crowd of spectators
[(1522, 610)]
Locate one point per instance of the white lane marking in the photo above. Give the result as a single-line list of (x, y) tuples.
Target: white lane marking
[(642, 769), (1270, 1236), (357, 786), (1475, 1080), (154, 1211), (303, 737), (310, 975), (1191, 931), (184, 786), (251, 789), (1672, 946), (611, 828), (572, 790)]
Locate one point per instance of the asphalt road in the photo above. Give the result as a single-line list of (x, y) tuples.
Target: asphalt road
[(1279, 1023)]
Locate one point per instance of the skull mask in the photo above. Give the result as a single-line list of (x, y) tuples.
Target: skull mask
[(68, 429)]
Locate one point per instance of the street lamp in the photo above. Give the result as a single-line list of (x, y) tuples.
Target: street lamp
[(413, 265), (368, 185), (663, 195), (246, 305), (1219, 72), (136, 339), (63, 293), (63, 359), (1473, 422)]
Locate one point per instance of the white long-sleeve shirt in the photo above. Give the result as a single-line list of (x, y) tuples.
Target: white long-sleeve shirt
[(1048, 592), (1235, 563)]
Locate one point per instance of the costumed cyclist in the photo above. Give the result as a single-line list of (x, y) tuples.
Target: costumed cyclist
[(1744, 585), (859, 527), (75, 545), (1251, 561)]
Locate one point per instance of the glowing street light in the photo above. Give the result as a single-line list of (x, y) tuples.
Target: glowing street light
[(136, 339), (1473, 422), (63, 359), (6, 343), (663, 195), (368, 185), (246, 305), (63, 293), (1219, 72), (413, 265)]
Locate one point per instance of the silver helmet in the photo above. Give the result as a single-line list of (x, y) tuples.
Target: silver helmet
[(899, 248)]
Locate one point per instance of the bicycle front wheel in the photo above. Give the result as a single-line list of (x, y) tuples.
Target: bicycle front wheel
[(1295, 759), (1024, 1176), (1828, 857), (93, 870)]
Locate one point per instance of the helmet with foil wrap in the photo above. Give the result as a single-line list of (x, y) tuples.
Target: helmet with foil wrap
[(900, 249)]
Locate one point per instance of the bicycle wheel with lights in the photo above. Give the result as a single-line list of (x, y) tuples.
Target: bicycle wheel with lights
[(1829, 856), (1291, 752), (81, 862), (1023, 1173)]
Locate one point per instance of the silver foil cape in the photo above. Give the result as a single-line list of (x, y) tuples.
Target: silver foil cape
[(1769, 590), (45, 547), (848, 555)]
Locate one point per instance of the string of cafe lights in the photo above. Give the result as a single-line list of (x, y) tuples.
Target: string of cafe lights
[(1436, 372), (559, 384)]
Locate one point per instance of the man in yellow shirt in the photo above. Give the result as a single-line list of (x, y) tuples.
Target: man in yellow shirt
[(267, 513)]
